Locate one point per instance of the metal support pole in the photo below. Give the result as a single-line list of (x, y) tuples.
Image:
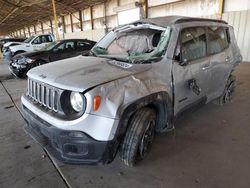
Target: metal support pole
[(29, 30), (80, 20), (24, 33), (105, 17), (91, 18), (64, 27), (71, 23), (221, 6), (51, 27), (55, 18), (42, 27), (35, 29)]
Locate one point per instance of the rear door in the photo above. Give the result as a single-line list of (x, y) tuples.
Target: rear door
[(191, 70), (221, 57)]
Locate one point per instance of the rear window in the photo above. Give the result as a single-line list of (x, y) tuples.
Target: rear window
[(83, 45), (217, 39)]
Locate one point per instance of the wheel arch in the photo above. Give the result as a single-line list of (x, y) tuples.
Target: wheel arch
[(19, 51), (159, 101)]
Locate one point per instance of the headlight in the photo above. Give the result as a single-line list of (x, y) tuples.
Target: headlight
[(28, 60), (76, 101)]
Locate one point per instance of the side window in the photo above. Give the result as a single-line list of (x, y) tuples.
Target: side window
[(66, 46), (46, 38), (69, 45), (193, 43), (81, 45), (37, 40), (217, 39), (49, 38)]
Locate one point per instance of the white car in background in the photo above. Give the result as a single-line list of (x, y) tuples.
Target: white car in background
[(9, 44), (34, 43)]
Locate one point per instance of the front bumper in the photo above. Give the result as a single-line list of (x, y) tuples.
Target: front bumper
[(18, 72), (68, 146), (7, 55)]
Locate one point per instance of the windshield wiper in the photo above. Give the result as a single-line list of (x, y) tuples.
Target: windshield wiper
[(114, 58)]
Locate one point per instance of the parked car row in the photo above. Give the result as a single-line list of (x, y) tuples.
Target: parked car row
[(40, 49), (57, 50), (134, 82)]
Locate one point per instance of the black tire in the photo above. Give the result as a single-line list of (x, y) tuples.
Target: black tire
[(227, 93), (139, 136)]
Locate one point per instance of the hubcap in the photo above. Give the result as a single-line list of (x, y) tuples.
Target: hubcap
[(147, 139)]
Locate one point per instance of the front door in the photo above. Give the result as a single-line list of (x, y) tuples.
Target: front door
[(191, 70), (63, 51), (41, 42)]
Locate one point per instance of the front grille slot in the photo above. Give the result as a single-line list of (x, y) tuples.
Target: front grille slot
[(44, 94)]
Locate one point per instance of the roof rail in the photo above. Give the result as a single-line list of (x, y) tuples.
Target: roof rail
[(190, 19)]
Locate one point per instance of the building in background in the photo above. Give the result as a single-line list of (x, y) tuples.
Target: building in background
[(99, 19)]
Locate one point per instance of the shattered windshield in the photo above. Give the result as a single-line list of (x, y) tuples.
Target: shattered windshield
[(134, 43)]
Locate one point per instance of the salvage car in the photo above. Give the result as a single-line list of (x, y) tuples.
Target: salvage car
[(22, 63), (135, 81), (34, 43)]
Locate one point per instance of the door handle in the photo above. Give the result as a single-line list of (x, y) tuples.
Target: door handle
[(227, 59), (206, 67)]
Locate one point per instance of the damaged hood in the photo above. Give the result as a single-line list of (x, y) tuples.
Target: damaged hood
[(81, 72)]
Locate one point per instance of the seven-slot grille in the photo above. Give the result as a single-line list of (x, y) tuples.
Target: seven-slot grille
[(43, 94)]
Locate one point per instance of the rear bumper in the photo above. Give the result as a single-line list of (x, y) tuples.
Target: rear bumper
[(72, 147)]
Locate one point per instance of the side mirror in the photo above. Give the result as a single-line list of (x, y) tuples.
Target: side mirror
[(184, 62)]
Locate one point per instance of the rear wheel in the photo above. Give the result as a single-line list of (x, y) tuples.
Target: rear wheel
[(139, 136), (228, 92)]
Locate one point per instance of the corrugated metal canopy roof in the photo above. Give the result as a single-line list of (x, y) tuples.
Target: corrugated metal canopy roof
[(15, 14)]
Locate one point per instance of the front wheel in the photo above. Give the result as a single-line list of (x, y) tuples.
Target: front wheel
[(139, 136)]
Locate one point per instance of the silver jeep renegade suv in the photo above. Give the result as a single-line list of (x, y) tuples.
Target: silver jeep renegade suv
[(133, 83)]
